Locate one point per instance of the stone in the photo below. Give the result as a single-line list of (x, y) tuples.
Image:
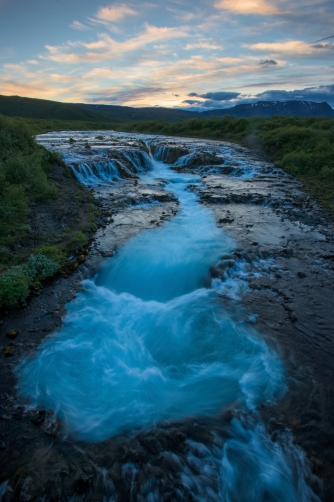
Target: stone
[(9, 351), (12, 334)]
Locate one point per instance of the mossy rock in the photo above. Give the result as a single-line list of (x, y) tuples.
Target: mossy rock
[(81, 258), (36, 285), (9, 351), (12, 334)]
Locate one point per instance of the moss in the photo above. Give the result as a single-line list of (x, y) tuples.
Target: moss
[(12, 334)]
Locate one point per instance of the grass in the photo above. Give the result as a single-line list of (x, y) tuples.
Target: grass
[(34, 180)]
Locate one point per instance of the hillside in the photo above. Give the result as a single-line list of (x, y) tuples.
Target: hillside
[(127, 113), (16, 106), (265, 109)]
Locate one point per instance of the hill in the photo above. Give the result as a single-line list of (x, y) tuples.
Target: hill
[(16, 106), (265, 109), (128, 113)]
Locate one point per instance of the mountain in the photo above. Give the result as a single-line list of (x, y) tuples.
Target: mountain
[(16, 106), (260, 109), (270, 108)]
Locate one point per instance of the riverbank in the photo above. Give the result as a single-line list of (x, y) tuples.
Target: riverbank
[(276, 280)]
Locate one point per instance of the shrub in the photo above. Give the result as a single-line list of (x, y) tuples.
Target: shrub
[(14, 285), (40, 267), (53, 253), (78, 241)]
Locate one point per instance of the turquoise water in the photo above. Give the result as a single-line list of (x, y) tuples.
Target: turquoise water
[(149, 341)]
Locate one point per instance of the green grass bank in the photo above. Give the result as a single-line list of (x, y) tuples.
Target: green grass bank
[(46, 215)]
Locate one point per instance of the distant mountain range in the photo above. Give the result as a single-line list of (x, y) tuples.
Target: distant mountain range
[(270, 108), (259, 109), (43, 109)]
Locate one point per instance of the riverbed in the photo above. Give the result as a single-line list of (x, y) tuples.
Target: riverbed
[(194, 360)]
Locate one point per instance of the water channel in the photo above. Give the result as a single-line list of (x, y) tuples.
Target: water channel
[(149, 342)]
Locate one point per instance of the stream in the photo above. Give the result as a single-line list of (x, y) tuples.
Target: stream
[(150, 342)]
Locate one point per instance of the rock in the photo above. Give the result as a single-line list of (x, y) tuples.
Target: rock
[(81, 258), (12, 334), (38, 417), (226, 220), (9, 351), (301, 275)]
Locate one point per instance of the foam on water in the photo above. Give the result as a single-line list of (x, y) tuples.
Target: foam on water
[(149, 341)]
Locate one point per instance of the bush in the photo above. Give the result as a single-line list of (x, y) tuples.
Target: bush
[(78, 241), (14, 285), (40, 267), (53, 253)]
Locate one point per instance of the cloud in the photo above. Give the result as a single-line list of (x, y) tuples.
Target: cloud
[(268, 62), (290, 47), (261, 7), (318, 94), (113, 14), (203, 45), (127, 95), (216, 96), (323, 46), (76, 25), (106, 48)]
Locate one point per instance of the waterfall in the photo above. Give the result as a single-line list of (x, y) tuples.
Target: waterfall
[(97, 168)]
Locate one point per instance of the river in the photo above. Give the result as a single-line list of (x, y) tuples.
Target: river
[(156, 345)]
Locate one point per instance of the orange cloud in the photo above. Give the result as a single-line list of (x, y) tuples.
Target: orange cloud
[(106, 48), (290, 47), (248, 6), (114, 13)]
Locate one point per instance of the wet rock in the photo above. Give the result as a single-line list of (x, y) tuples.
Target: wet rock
[(37, 417), (12, 334), (25, 491), (85, 480), (9, 351), (226, 220), (301, 275)]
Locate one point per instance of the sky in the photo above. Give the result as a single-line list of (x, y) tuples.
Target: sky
[(191, 54)]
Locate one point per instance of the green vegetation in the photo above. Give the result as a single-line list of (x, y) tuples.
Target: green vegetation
[(303, 147), (16, 106), (23, 175), (78, 242), (34, 181), (16, 282)]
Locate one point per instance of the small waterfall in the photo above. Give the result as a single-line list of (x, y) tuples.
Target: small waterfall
[(160, 152), (185, 160), (140, 160), (97, 169)]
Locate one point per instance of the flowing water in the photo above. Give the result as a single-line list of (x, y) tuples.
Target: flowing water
[(149, 341)]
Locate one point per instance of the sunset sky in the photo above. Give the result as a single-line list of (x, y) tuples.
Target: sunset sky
[(185, 53)]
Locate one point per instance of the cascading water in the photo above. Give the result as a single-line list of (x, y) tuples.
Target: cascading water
[(149, 341)]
